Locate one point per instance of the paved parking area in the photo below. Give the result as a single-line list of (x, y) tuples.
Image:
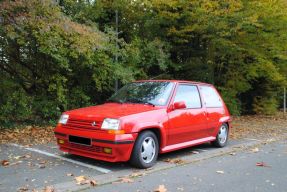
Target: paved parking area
[(34, 167), (225, 173)]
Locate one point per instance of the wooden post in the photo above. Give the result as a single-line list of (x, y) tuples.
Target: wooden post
[(284, 102)]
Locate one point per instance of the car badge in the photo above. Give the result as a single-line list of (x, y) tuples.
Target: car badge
[(94, 123)]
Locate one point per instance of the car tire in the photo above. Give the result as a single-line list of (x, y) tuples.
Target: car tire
[(222, 136), (145, 151)]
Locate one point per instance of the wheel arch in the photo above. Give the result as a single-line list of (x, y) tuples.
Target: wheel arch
[(226, 120), (159, 134)]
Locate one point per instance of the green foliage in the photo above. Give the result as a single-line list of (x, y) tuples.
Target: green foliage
[(16, 107), (59, 55), (263, 105), (231, 101)]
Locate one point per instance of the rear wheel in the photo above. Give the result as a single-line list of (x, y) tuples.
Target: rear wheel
[(222, 136), (145, 150)]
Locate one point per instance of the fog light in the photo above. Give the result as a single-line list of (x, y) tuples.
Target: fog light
[(107, 150), (61, 141)]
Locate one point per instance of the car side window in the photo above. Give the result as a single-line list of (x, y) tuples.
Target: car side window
[(189, 94), (211, 97)]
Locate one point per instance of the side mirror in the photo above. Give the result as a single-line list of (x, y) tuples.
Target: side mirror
[(179, 105)]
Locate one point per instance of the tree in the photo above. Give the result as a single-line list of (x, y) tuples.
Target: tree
[(51, 60), (58, 55)]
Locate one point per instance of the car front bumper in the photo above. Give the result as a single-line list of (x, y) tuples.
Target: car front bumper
[(104, 146)]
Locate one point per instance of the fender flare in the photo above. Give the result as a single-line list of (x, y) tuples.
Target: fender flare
[(151, 125)]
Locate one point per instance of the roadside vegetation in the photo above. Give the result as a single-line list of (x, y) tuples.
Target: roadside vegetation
[(60, 55)]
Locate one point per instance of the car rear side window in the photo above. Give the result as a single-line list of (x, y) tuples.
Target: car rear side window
[(189, 94), (210, 96)]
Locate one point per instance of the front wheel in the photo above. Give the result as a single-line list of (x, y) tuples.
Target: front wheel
[(222, 136), (145, 150)]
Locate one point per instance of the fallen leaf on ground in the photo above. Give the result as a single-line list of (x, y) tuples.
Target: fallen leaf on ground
[(42, 166), (255, 150), (220, 172), (27, 156), (262, 164), (22, 189), (126, 180), (176, 161), (49, 189), (80, 178), (43, 162), (93, 183), (137, 174), (161, 188), (18, 157), (5, 163), (22, 156)]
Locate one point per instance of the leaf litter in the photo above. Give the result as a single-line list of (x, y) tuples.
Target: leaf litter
[(175, 161), (262, 164), (126, 180), (83, 180), (161, 188), (5, 163), (220, 172), (258, 126), (27, 135), (255, 150)]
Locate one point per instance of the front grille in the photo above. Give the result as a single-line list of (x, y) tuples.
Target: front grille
[(83, 124), (92, 148)]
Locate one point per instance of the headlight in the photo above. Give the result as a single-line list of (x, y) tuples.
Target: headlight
[(111, 124), (64, 119)]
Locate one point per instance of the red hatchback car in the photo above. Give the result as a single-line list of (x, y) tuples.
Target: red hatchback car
[(145, 118)]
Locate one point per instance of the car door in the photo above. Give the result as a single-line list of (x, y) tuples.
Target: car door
[(214, 107), (188, 123)]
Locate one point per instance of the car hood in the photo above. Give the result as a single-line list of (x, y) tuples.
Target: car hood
[(110, 110)]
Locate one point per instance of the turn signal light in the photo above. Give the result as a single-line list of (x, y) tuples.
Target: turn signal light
[(116, 132), (61, 141), (107, 150)]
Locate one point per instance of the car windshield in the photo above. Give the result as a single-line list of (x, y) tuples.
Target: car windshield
[(149, 92)]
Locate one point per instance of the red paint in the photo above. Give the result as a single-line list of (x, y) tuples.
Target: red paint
[(178, 126)]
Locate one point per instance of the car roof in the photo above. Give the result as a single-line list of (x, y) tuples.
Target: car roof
[(174, 81)]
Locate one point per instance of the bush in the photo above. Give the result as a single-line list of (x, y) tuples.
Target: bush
[(16, 107), (46, 111), (266, 106), (231, 101)]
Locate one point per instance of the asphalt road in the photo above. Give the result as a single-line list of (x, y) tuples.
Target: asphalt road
[(32, 170), (229, 172)]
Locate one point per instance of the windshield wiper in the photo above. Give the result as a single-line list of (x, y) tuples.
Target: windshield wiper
[(141, 102), (149, 103)]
